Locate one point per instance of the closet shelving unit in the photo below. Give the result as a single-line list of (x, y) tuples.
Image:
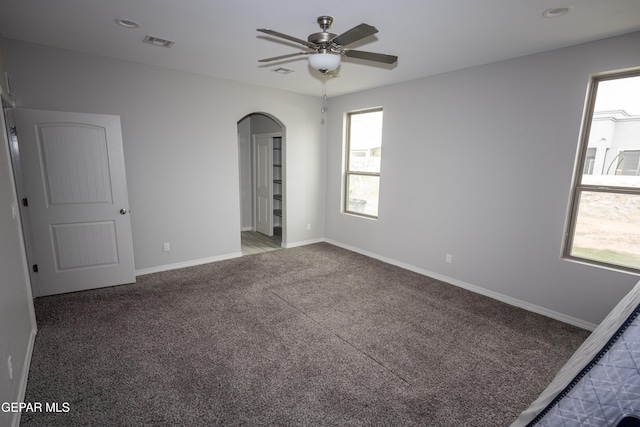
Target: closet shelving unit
[(277, 186)]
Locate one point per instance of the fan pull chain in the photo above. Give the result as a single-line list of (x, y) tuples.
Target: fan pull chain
[(324, 94)]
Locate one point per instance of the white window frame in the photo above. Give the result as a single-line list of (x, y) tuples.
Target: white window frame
[(577, 187), (347, 171)]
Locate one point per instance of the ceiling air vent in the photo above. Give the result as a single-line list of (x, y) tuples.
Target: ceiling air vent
[(158, 41), (282, 70)]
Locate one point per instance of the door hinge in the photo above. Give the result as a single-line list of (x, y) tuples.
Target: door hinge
[(35, 268), (25, 202)]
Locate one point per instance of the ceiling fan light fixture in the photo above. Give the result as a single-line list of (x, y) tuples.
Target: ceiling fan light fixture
[(324, 62)]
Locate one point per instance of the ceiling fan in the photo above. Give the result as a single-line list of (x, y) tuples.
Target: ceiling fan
[(327, 48)]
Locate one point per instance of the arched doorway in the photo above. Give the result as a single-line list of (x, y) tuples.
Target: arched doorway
[(262, 179)]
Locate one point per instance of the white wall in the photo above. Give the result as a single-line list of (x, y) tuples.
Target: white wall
[(17, 319), (4, 89), (478, 163), (264, 124), (180, 145)]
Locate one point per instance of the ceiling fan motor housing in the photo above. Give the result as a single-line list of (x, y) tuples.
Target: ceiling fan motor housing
[(321, 38), (324, 38)]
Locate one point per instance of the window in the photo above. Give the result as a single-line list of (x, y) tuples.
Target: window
[(604, 219), (589, 161), (628, 164), (363, 155)]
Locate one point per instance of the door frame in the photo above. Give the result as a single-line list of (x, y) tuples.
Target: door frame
[(248, 132), (18, 181)]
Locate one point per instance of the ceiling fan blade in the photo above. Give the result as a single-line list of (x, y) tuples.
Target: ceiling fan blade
[(286, 37), (353, 35), (275, 58), (370, 56)]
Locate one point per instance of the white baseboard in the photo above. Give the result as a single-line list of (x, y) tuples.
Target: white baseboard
[(477, 289), (193, 263), (177, 265), (303, 243), (24, 377)]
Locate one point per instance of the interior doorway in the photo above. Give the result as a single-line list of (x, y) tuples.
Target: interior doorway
[(261, 156)]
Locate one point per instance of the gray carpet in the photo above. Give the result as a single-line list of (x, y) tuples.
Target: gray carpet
[(311, 336)]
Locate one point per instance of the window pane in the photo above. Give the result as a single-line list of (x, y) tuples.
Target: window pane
[(365, 141), (607, 228), (362, 194), (613, 151)]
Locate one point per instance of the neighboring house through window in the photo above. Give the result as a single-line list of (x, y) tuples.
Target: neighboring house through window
[(628, 164), (362, 169), (603, 227)]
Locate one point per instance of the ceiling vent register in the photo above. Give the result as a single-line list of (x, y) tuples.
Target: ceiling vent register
[(158, 41)]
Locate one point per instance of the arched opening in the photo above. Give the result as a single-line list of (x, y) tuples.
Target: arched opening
[(262, 179)]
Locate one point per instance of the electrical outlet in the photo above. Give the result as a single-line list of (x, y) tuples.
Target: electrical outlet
[(10, 366), (448, 259), (308, 226), (166, 247)]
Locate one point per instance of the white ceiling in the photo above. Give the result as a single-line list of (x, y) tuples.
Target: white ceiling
[(219, 38)]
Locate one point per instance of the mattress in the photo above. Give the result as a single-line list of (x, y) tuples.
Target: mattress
[(600, 384)]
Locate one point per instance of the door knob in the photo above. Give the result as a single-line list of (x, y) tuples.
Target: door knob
[(123, 211)]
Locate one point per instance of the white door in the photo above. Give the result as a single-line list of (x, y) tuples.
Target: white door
[(75, 184), (264, 183)]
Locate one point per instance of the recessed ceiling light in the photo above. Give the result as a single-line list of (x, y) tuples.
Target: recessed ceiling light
[(127, 23), (555, 12)]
